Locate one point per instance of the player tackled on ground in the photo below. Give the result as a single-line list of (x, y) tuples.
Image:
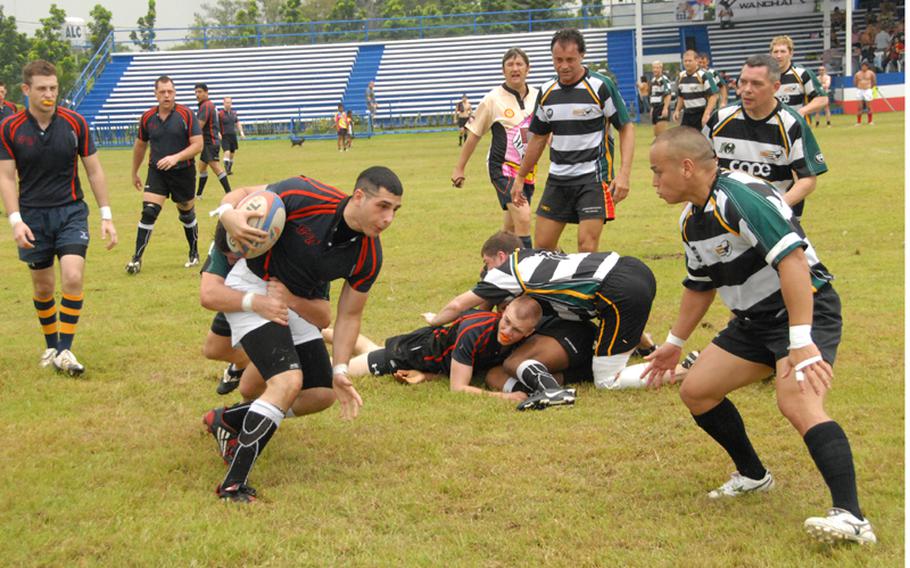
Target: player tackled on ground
[(577, 108), (173, 133), (328, 235), (765, 138), (49, 217), (211, 138), (742, 241), (617, 290)]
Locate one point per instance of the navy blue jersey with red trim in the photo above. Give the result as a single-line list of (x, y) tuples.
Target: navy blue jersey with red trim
[(7, 109), (470, 340), (168, 136), (208, 120), (228, 120), (316, 245), (46, 160)]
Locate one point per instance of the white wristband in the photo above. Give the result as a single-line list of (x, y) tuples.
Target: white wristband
[(247, 303), (221, 209), (106, 214), (341, 369), (14, 219), (673, 340), (800, 336)]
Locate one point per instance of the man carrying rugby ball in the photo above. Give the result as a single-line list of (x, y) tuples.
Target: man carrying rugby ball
[(328, 235)]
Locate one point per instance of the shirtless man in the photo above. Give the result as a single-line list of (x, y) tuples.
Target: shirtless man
[(864, 81)]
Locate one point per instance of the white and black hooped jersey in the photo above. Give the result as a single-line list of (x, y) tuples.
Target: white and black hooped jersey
[(695, 89), (565, 284), (577, 116), (734, 242), (660, 86), (775, 149), (798, 86)]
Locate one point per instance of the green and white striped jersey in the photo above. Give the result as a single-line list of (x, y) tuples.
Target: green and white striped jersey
[(798, 86), (734, 242)]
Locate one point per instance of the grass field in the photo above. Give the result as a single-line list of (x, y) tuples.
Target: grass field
[(114, 469)]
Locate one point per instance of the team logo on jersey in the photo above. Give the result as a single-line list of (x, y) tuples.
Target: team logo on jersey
[(751, 168), (549, 113), (587, 111), (727, 148), (819, 158), (509, 113), (724, 248), (772, 154), (308, 236)]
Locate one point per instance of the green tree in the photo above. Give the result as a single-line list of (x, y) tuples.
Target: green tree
[(100, 26), (48, 44), (144, 37), (346, 10), (248, 15), (14, 46)]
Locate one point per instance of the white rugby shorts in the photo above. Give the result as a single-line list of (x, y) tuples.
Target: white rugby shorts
[(865, 95), (242, 279)]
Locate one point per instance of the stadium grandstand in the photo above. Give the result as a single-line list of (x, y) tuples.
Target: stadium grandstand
[(282, 89)]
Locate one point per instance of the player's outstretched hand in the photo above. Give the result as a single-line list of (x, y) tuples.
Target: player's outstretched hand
[(271, 308), (662, 361), (428, 317), (805, 365), (108, 231), (517, 192), (237, 226), (458, 177), (23, 236), (619, 188), (410, 376), (347, 396)]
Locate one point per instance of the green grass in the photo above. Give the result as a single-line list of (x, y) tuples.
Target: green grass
[(115, 469)]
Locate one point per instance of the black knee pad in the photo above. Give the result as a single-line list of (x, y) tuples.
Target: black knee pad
[(150, 212), (187, 217)]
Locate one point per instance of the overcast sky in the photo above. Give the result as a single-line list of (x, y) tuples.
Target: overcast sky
[(171, 13)]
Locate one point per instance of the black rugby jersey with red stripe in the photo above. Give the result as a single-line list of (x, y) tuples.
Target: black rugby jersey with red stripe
[(470, 340), (46, 160), (7, 109), (168, 136), (208, 120), (316, 245)]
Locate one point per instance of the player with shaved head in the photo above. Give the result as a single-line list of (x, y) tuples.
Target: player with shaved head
[(743, 242)]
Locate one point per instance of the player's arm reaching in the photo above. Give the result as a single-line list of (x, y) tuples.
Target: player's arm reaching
[(215, 296), (799, 190), (692, 308), (347, 328), (317, 311), (460, 381), (453, 309), (139, 148), (98, 183), (804, 360), (466, 151)]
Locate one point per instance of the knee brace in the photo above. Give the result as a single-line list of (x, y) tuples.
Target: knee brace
[(150, 213), (188, 217)]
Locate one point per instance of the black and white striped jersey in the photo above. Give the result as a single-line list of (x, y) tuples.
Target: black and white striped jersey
[(660, 86), (734, 242), (695, 89), (779, 148), (577, 116), (565, 284)]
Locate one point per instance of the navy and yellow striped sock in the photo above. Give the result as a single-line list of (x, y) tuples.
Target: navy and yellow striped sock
[(70, 308), (47, 315)]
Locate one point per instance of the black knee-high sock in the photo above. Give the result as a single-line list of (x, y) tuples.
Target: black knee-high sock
[(143, 234), (222, 177), (535, 375), (203, 178), (725, 425), (190, 230), (260, 423), (234, 415), (829, 447)]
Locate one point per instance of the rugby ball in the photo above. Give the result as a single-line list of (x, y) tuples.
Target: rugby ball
[(271, 221)]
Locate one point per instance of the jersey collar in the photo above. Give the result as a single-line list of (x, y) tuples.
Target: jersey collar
[(756, 121), (516, 94), (337, 223), (573, 85)]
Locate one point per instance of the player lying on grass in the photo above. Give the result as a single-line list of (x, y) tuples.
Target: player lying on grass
[(616, 290), (476, 340)]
